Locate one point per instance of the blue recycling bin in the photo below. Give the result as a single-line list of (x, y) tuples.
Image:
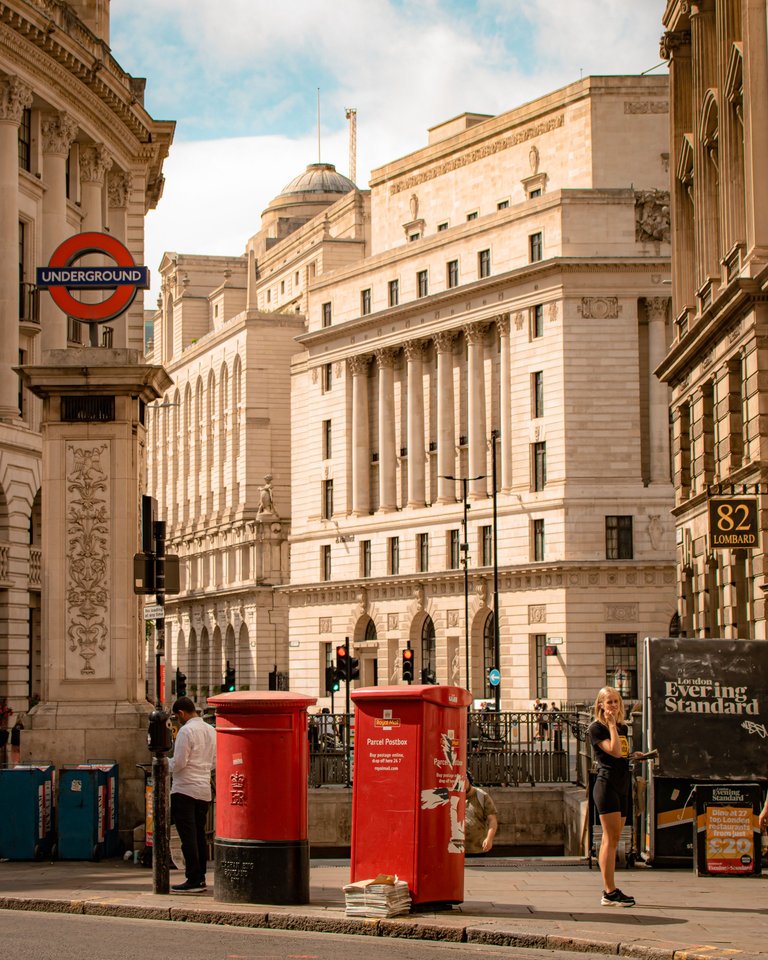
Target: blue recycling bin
[(27, 830), (88, 823)]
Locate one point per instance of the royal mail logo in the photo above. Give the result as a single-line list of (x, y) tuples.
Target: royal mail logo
[(386, 722)]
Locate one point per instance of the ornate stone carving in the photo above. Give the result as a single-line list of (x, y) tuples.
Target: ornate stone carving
[(599, 308), (58, 131), (413, 349), (553, 312), (88, 580), (385, 357), (646, 106), (15, 98), (621, 612), (652, 223), (537, 613), (418, 596), (534, 158), (359, 364), (413, 205), (444, 341), (502, 324), (673, 40), (656, 308), (326, 625), (519, 321), (393, 621), (655, 530), (266, 504), (453, 618), (474, 333), (95, 161), (119, 187), (478, 153)]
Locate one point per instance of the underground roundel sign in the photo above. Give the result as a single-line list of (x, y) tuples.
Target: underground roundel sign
[(124, 279)]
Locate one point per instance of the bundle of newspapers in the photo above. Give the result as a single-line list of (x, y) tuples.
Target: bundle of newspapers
[(383, 896)]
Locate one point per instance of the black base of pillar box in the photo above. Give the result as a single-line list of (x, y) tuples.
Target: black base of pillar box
[(262, 871)]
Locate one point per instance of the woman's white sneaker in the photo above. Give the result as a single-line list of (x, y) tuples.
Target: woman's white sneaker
[(617, 899)]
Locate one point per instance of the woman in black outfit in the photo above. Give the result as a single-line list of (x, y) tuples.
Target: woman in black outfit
[(610, 745)]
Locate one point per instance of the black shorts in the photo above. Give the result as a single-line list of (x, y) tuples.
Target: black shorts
[(611, 796)]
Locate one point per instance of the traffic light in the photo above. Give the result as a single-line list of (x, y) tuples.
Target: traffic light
[(408, 665), (229, 678), (181, 683), (342, 662), (354, 668), (331, 680)]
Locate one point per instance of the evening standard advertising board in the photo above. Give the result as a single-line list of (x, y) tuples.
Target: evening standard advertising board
[(707, 703)]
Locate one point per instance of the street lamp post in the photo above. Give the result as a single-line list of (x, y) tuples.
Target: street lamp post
[(496, 634), (465, 481)]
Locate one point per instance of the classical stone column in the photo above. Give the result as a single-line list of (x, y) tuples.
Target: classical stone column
[(446, 426), (59, 129), (361, 444), (414, 351), (658, 392), (505, 401), (385, 360), (478, 439), (94, 165), (15, 97), (704, 62), (118, 191)]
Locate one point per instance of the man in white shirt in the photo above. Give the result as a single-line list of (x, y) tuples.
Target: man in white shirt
[(194, 757)]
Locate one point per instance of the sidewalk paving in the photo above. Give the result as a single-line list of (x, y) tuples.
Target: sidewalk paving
[(548, 903)]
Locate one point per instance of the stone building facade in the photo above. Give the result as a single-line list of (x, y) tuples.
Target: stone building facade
[(78, 151), (514, 295), (715, 366)]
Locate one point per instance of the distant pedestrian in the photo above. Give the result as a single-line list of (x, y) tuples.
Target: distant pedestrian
[(608, 734), (16, 740), (194, 757), (480, 820)]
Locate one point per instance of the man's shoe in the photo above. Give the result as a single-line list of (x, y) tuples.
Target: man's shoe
[(617, 899), (189, 887)]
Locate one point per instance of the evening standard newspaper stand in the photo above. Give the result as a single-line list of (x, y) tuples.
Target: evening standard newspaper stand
[(408, 788), (728, 838), (705, 709)]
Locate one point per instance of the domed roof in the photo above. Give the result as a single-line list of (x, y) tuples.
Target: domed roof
[(318, 178)]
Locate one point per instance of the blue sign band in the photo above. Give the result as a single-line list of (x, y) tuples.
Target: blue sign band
[(93, 278)]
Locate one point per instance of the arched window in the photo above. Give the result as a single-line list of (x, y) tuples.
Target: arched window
[(370, 630), (428, 652)]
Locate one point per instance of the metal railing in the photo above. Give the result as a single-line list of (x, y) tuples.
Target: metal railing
[(504, 749), (29, 303)]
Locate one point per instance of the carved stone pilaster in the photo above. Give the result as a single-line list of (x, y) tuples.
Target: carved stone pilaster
[(95, 161), (385, 357), (15, 98), (656, 308), (474, 332), (502, 324), (413, 349), (58, 130), (444, 341), (119, 184)]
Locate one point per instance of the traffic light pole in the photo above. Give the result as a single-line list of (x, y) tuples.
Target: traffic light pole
[(347, 685), (161, 846), (496, 625)]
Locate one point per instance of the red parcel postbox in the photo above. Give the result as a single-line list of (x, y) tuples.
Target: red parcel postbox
[(262, 766), (408, 788)]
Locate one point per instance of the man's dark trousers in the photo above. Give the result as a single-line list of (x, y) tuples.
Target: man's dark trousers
[(190, 816)]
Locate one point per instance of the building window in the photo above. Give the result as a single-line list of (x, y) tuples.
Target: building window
[(296, 280), (269, 296), (327, 499), (442, 226), (413, 236), (422, 280), (472, 216), (452, 273), (621, 663), (540, 644), (537, 394), (326, 314), (428, 652), (484, 264), (393, 550), (327, 440), (618, 538), (327, 377), (365, 558), (486, 545), (535, 193), (535, 247), (25, 140), (325, 561), (74, 330), (394, 293), (106, 336), (502, 205), (489, 655), (537, 321), (422, 546), (453, 549), (538, 540), (282, 286), (365, 302), (539, 465), (22, 389), (23, 311)]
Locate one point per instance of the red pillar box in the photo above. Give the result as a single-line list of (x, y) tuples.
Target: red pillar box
[(262, 768), (408, 788)]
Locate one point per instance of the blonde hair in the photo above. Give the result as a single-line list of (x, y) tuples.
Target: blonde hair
[(601, 695)]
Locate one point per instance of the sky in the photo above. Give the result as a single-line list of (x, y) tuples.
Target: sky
[(240, 78)]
